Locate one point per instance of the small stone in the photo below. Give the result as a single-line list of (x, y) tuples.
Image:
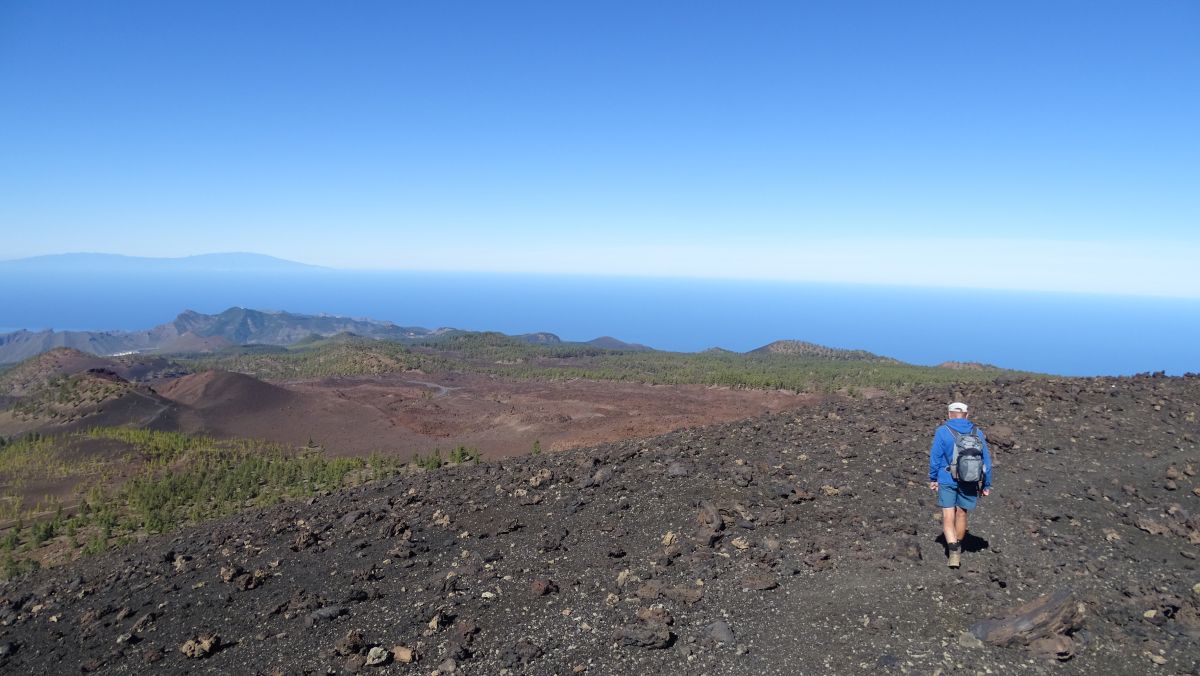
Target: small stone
[(967, 640), (200, 646), (1151, 526), (324, 614), (1056, 647), (709, 517), (656, 615), (404, 654), (524, 652), (350, 644), (377, 656), (601, 476), (647, 636), (649, 591), (543, 587), (141, 623), (740, 543), (759, 582), (684, 594), (721, 632), (887, 661), (448, 667), (1158, 659), (625, 577), (1149, 614)]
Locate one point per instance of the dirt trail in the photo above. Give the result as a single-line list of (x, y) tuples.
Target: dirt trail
[(442, 390)]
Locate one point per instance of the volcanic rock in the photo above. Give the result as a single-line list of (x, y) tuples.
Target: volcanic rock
[(645, 636), (1044, 624), (720, 632), (377, 656), (200, 646)]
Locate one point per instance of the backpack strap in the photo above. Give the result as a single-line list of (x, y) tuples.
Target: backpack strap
[(974, 431), (953, 451)]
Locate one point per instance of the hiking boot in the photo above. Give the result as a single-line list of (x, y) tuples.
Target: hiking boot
[(955, 558)]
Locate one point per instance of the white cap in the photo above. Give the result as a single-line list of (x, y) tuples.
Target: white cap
[(959, 407)]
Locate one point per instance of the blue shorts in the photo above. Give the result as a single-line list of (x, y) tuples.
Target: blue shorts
[(961, 495)]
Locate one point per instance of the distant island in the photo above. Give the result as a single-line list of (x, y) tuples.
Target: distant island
[(110, 263)]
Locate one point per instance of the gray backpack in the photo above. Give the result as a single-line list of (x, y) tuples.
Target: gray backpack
[(966, 465)]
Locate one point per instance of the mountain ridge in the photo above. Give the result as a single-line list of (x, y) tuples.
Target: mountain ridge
[(807, 349), (195, 332), (190, 330)]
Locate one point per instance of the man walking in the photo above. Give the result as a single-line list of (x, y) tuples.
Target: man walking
[(960, 469)]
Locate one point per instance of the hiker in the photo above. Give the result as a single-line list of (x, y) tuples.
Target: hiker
[(960, 470)]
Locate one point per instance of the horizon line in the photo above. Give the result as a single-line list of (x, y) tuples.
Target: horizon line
[(320, 269)]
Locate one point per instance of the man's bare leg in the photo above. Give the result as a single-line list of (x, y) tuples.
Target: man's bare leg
[(950, 525), (950, 530), (960, 523)]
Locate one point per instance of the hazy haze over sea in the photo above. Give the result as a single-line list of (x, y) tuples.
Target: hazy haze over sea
[(1055, 333)]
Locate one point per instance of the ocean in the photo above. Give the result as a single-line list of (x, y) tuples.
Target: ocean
[(1068, 334)]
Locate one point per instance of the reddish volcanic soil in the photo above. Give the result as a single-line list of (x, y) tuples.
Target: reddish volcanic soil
[(415, 412)]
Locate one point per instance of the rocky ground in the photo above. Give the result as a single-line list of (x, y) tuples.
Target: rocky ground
[(800, 542)]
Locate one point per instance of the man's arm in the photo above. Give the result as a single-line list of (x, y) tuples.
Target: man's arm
[(935, 456)]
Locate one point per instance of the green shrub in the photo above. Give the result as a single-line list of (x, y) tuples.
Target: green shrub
[(431, 461), (817, 370), (95, 546), (464, 454), (41, 532), (11, 539)]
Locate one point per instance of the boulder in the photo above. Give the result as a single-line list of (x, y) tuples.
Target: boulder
[(1044, 624)]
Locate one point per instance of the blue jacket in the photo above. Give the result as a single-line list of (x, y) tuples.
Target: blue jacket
[(942, 450)]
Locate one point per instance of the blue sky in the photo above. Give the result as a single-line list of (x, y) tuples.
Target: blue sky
[(840, 141)]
